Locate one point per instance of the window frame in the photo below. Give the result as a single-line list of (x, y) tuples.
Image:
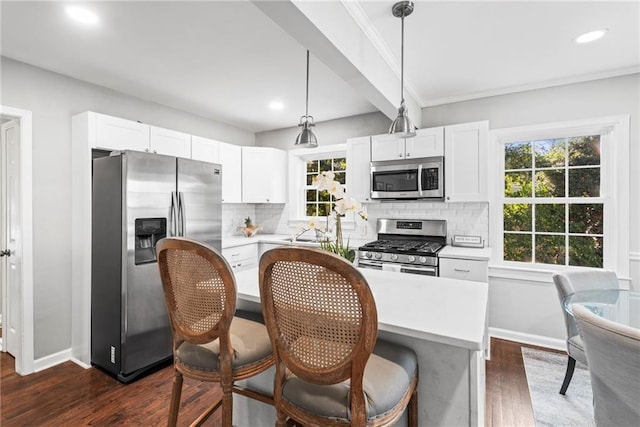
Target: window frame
[(614, 186), (297, 181)]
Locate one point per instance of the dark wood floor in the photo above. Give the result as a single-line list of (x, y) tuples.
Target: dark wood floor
[(70, 395)]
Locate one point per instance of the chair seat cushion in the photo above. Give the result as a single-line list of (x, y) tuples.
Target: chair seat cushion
[(387, 377), (250, 343), (575, 348)]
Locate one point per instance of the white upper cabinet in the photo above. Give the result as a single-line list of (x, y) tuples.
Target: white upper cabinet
[(466, 162), (204, 149), (427, 143), (169, 142), (264, 175), (227, 155), (231, 161), (358, 168), (113, 133)]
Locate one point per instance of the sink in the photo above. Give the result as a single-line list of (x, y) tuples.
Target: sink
[(303, 239)]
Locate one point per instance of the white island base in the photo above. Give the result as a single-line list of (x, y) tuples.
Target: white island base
[(442, 320)]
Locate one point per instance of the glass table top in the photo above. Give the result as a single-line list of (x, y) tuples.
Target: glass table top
[(618, 305)]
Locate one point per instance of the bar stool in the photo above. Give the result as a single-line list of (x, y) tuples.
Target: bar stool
[(209, 343), (330, 367)]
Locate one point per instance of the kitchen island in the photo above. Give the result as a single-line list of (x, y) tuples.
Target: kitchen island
[(443, 320)]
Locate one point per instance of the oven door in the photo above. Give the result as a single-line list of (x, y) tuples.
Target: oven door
[(425, 270)]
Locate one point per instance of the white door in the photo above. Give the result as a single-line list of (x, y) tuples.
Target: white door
[(11, 239)]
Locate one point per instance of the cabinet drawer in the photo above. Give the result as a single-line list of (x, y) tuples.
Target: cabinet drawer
[(242, 257), (464, 269)]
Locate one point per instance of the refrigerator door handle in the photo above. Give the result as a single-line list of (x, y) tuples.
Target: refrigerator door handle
[(172, 214), (180, 214)]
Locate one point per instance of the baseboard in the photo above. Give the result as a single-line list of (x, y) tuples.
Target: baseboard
[(51, 360), (80, 363), (521, 337)]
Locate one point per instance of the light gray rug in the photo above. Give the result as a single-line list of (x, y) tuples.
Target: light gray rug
[(545, 372)]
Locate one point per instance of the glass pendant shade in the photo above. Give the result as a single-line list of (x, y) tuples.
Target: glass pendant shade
[(306, 138), (402, 126)]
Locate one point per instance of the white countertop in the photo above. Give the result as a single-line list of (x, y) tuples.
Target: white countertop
[(282, 239), (457, 252), (447, 311)]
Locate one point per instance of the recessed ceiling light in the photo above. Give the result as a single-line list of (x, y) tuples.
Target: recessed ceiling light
[(276, 105), (82, 15), (591, 36)]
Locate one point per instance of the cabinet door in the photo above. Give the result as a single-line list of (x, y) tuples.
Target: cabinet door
[(113, 133), (386, 147), (464, 269), (465, 160), (170, 142), (231, 161), (358, 168), (206, 150), (263, 175), (427, 143)]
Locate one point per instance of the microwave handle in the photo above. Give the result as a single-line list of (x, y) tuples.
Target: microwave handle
[(420, 179)]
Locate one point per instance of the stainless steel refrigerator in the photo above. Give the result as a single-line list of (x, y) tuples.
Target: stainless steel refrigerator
[(139, 198)]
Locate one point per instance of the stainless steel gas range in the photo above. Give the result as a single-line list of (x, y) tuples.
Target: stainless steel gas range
[(405, 245)]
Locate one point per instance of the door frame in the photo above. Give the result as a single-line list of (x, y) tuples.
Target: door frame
[(24, 363)]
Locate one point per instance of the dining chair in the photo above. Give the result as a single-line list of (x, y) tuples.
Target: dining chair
[(568, 283), (209, 342), (613, 353), (331, 369)]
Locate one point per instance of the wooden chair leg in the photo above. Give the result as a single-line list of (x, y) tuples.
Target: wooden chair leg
[(412, 409), (281, 419), (571, 366), (227, 405), (175, 399)]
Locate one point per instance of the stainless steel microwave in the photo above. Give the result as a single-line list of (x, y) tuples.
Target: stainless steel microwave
[(420, 178)]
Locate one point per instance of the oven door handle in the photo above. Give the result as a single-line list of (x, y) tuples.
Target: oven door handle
[(419, 270), (420, 179)]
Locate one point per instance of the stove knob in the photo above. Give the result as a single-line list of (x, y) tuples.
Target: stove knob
[(394, 257), (367, 254), (412, 258), (423, 259), (378, 255)]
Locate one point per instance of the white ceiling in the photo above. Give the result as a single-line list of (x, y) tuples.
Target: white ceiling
[(227, 60)]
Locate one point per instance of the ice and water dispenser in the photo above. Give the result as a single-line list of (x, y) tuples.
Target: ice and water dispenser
[(148, 232)]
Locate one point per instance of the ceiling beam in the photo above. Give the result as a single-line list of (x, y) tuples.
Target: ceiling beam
[(330, 32)]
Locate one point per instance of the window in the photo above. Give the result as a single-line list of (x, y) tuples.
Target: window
[(553, 210), (320, 203), (562, 194)]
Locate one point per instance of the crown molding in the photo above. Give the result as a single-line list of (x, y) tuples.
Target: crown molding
[(533, 86)]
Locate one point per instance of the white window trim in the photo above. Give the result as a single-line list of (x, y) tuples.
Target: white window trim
[(297, 164), (614, 186)]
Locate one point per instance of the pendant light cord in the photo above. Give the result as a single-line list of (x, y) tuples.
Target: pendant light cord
[(401, 61), (306, 111)]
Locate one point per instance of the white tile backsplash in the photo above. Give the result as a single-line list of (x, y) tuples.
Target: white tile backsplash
[(233, 215), (462, 218)]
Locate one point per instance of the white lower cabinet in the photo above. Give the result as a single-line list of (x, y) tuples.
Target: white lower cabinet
[(242, 257), (465, 269)]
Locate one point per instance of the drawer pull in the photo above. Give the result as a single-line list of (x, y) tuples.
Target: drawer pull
[(461, 270)]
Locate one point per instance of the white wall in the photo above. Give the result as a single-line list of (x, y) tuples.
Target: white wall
[(53, 100)]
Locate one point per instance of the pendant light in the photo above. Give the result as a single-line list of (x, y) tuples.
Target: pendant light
[(306, 138), (402, 126)]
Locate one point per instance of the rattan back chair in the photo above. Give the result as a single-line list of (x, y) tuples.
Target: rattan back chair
[(209, 343), (330, 368)]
